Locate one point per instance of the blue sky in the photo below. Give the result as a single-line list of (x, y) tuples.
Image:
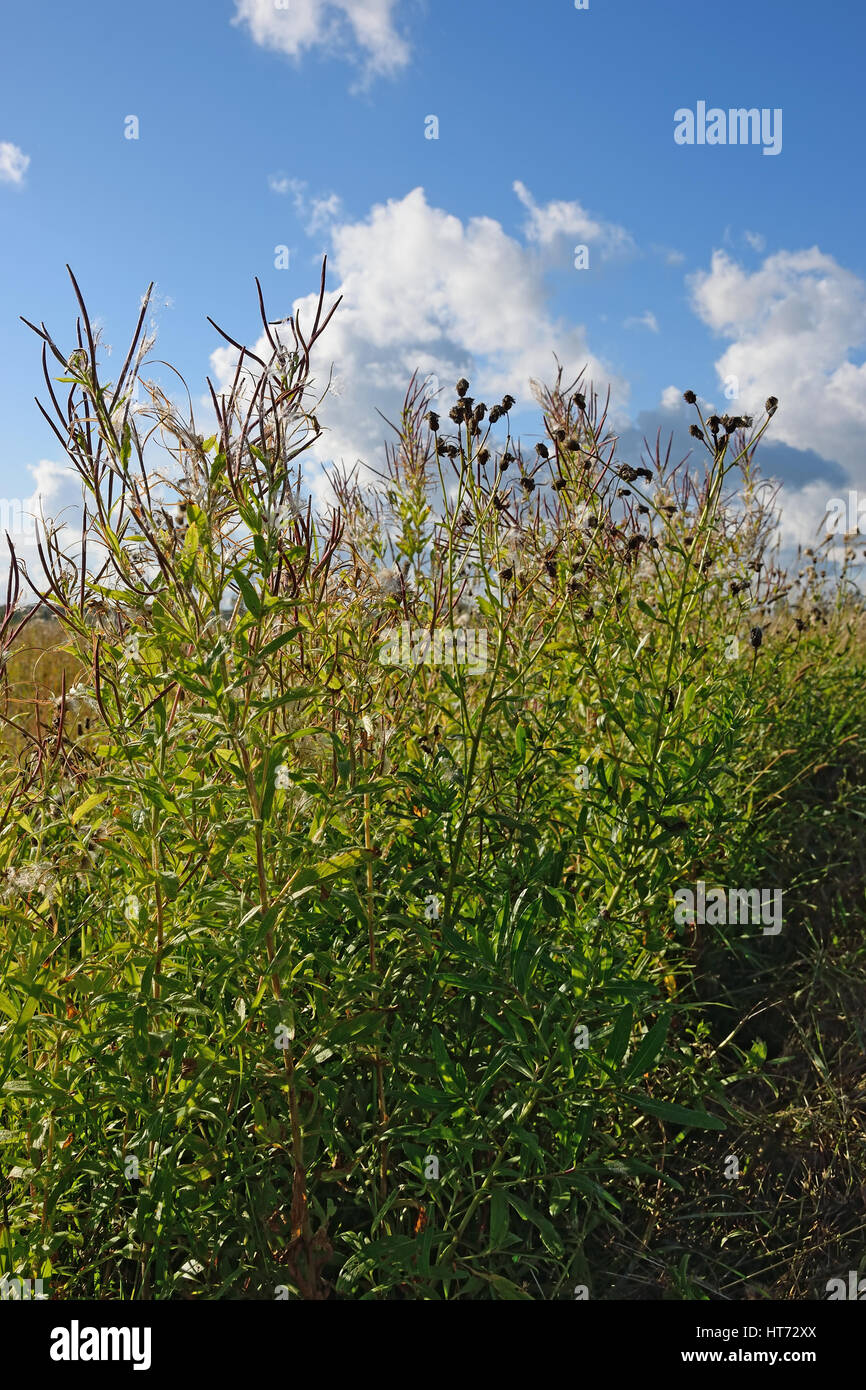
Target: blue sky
[(304, 126)]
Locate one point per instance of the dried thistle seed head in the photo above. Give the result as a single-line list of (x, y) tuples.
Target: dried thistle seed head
[(714, 423), (500, 502), (483, 457), (479, 412), (696, 432), (462, 386), (746, 422), (626, 472), (506, 404), (801, 624), (690, 397), (772, 405), (559, 484), (528, 484), (550, 566), (572, 444), (542, 451), (432, 420), (495, 414), (560, 435), (579, 399), (623, 492), (456, 414), (644, 473), (506, 573), (756, 637), (644, 510)]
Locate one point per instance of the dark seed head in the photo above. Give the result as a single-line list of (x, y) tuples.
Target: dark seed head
[(772, 405), (528, 484), (756, 637), (542, 451), (495, 414), (432, 420), (483, 456), (462, 386), (579, 400), (696, 432), (690, 397), (507, 403)]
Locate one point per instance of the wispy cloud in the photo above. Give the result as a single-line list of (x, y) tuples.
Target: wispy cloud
[(645, 320), (13, 163)]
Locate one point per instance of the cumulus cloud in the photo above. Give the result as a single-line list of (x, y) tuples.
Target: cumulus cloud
[(359, 29), (550, 224), (796, 326), (424, 291), (13, 163)]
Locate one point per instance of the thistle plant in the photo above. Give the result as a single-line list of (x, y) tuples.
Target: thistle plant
[(342, 978)]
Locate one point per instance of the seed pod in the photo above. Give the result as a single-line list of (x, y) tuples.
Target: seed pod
[(456, 414), (756, 637), (696, 432), (483, 457), (479, 412), (432, 420), (528, 484), (772, 405), (462, 386), (542, 451), (507, 403), (626, 472), (495, 414), (644, 473), (559, 484), (690, 397), (579, 400)]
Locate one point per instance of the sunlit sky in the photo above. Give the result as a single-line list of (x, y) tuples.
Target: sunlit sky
[(305, 127)]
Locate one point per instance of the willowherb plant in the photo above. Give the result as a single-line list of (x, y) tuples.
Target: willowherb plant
[(325, 976)]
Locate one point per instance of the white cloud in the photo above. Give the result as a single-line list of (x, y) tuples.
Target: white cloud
[(669, 254), (13, 163), (422, 290), (645, 320), (795, 326), (755, 240), (353, 28), (549, 224), (317, 212)]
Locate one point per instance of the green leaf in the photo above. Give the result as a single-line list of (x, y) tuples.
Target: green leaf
[(619, 1038), (648, 1048), (676, 1114)]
